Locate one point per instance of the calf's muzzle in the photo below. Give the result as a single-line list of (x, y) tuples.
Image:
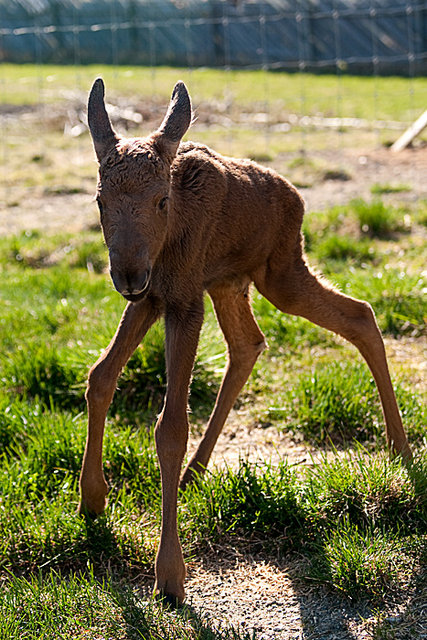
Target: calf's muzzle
[(133, 284)]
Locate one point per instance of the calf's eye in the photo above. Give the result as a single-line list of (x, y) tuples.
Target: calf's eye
[(162, 203)]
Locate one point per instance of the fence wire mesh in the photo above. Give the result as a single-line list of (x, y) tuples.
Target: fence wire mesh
[(276, 34)]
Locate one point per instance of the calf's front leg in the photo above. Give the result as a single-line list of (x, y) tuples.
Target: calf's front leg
[(171, 433), (135, 322)]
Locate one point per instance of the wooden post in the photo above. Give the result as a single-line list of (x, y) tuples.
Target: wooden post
[(410, 133)]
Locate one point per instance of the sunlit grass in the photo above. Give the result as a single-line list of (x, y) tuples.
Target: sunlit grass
[(391, 98), (358, 519)]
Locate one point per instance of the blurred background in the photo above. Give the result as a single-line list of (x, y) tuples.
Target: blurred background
[(318, 89)]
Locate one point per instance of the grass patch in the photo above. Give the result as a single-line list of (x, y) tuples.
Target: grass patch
[(396, 296), (352, 513), (248, 501), (55, 606), (345, 248), (396, 97), (361, 564), (60, 167), (333, 402), (359, 521), (36, 250), (336, 403), (352, 517), (380, 189), (367, 493), (42, 373), (375, 218)]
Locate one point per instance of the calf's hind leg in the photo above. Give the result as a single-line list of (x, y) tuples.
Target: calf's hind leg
[(135, 322), (301, 293), (245, 343)]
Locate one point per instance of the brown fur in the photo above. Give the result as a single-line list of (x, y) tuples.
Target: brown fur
[(226, 223)]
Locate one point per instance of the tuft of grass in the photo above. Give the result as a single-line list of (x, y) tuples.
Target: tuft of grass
[(253, 501), (396, 296), (361, 564), (379, 189), (45, 374), (345, 248), (367, 493), (337, 402), (332, 403), (54, 605), (35, 250), (336, 174), (375, 218), (90, 255)]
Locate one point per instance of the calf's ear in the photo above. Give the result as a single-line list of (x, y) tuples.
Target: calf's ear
[(103, 135), (176, 121)]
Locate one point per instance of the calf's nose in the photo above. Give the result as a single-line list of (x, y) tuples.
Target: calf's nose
[(131, 282)]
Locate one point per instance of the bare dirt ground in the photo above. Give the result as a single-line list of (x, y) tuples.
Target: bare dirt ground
[(233, 586), (268, 596), (76, 211), (356, 160)]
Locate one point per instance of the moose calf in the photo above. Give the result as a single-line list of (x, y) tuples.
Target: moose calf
[(178, 220)]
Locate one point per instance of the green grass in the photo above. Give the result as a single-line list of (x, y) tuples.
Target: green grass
[(390, 98), (333, 401), (337, 248), (379, 189), (375, 218), (58, 606), (349, 516), (358, 520)]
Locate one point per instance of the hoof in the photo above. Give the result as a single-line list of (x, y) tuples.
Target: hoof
[(92, 508), (168, 600), (172, 597), (93, 497), (86, 512)]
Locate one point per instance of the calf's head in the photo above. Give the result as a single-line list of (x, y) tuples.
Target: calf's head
[(134, 188)]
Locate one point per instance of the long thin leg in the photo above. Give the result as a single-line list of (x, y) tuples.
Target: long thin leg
[(135, 322), (182, 335), (245, 343), (304, 294)]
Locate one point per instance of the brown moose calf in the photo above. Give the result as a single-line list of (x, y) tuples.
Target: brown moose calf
[(178, 220)]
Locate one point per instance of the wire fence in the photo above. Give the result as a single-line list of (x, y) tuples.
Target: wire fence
[(279, 88), (359, 36)]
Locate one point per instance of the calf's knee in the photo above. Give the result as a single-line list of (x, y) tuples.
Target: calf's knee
[(101, 385)]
